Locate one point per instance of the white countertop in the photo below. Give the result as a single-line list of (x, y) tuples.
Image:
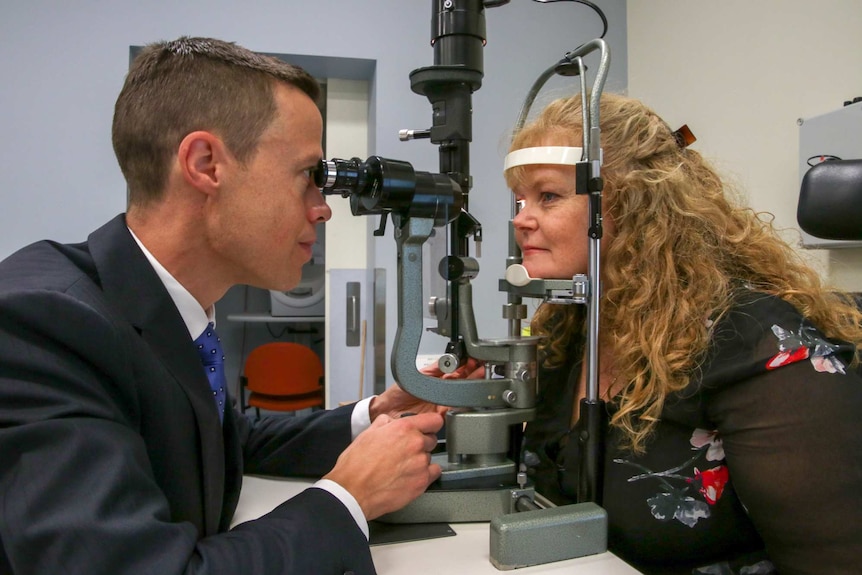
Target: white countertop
[(466, 552)]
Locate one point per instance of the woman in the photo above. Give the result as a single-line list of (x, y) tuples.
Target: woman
[(734, 443)]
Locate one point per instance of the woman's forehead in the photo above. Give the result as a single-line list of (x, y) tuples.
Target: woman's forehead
[(538, 175)]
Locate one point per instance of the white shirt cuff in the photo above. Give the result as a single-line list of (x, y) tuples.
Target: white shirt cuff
[(347, 500), (360, 420)]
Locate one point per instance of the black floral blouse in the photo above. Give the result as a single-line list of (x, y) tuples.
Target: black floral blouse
[(755, 468)]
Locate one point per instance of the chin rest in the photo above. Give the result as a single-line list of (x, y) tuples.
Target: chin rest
[(830, 200)]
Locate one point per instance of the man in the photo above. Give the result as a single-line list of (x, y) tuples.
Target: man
[(114, 456)]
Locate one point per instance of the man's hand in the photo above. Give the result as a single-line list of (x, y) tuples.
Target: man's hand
[(471, 369), (389, 464), (395, 401)]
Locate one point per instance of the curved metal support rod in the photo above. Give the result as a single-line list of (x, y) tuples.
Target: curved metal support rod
[(592, 410), (592, 151), (410, 234), (585, 114), (598, 86), (531, 95), (601, 74)]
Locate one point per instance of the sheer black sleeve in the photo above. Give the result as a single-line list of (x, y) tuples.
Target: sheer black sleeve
[(788, 409)]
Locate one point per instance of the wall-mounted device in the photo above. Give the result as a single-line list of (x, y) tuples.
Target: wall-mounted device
[(835, 135)]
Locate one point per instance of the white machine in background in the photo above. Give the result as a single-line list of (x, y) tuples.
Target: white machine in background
[(306, 299)]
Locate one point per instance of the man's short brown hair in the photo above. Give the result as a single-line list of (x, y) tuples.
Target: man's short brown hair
[(174, 88)]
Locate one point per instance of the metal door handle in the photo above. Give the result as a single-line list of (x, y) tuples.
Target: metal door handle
[(353, 313)]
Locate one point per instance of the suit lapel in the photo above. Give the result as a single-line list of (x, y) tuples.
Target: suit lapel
[(233, 464), (132, 286)]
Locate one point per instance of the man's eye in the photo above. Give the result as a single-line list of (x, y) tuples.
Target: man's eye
[(315, 174)]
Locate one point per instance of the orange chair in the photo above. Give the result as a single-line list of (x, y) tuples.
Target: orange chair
[(282, 376)]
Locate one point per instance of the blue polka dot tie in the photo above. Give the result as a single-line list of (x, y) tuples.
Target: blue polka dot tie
[(209, 348)]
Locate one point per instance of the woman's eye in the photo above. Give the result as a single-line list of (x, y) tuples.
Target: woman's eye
[(546, 197)]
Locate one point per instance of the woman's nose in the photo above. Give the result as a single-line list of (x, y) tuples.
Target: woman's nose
[(524, 219)]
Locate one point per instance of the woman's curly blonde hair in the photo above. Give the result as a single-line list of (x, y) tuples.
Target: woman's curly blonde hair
[(680, 249)]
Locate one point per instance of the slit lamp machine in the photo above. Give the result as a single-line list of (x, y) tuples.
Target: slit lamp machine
[(483, 479)]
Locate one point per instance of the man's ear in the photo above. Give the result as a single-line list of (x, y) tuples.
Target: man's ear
[(202, 158)]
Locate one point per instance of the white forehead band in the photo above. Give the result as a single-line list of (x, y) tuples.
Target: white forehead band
[(560, 155)]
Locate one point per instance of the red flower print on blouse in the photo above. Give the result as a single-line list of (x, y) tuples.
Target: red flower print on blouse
[(788, 357), (712, 482), (805, 343), (705, 437), (676, 501)]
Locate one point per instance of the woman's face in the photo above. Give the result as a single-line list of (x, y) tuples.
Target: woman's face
[(552, 222)]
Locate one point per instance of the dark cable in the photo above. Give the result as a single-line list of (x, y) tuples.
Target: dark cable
[(278, 335), (591, 5), (822, 158)]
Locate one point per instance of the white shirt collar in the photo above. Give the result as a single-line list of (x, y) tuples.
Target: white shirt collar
[(194, 316)]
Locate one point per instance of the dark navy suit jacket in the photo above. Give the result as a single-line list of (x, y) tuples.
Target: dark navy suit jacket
[(112, 457)]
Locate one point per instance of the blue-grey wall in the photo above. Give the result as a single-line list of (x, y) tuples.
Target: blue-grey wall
[(62, 65)]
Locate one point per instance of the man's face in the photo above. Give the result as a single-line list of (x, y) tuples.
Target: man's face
[(268, 211)]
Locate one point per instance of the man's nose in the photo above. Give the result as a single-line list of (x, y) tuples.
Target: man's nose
[(319, 211)]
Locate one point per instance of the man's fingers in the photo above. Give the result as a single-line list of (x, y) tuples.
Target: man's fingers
[(434, 472), (425, 422), (430, 441), (381, 420)]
